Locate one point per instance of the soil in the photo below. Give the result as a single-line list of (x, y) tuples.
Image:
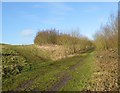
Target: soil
[(65, 77), (63, 81)]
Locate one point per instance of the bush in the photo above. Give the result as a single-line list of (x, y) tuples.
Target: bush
[(73, 41), (107, 36), (46, 37)]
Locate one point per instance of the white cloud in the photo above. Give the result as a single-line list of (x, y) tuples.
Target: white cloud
[(59, 8), (27, 33), (91, 9), (52, 21), (27, 36), (49, 21)]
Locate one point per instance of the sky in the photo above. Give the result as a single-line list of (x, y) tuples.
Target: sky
[(60, 0), (22, 20)]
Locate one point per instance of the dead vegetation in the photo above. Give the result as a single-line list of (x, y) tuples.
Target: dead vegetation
[(105, 76), (57, 52)]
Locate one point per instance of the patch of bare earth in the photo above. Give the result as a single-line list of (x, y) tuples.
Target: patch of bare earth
[(27, 84), (63, 81), (105, 76), (64, 77)]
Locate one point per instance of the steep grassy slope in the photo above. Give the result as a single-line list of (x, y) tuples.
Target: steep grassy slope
[(41, 73)]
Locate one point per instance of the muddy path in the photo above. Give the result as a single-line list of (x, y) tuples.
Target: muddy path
[(65, 77), (63, 80), (27, 84)]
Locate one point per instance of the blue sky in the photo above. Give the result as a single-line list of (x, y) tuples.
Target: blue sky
[(21, 21)]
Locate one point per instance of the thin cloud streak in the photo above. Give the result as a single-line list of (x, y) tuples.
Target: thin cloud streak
[(91, 9), (55, 8), (27, 33)]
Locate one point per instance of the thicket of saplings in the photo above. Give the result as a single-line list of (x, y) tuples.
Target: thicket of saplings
[(73, 42), (106, 42), (107, 37)]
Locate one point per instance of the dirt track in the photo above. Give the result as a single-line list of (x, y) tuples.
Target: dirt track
[(64, 79)]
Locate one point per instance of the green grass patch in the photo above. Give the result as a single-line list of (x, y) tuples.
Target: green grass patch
[(80, 75), (44, 72)]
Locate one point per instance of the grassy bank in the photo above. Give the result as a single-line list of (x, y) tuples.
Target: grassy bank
[(41, 73), (81, 74)]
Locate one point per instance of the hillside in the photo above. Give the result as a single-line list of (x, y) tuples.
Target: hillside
[(31, 68)]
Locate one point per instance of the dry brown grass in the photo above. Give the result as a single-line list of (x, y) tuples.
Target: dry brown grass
[(57, 51), (105, 76)]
